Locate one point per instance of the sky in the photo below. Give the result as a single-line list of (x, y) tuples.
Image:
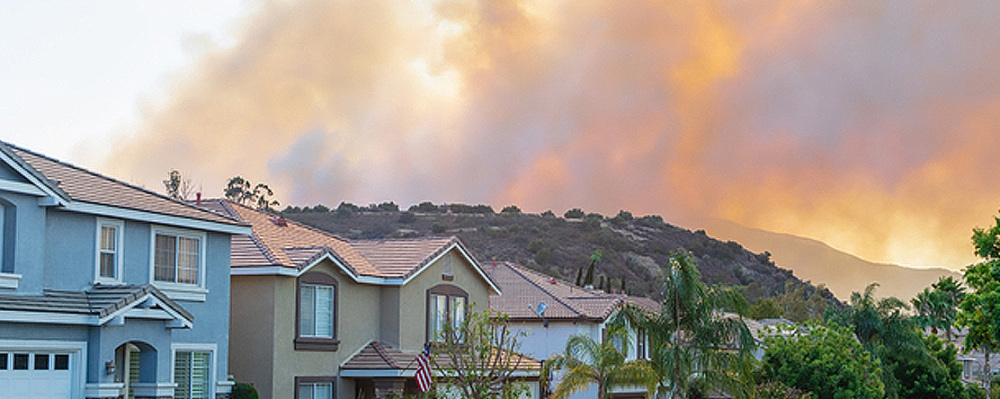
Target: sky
[(871, 126)]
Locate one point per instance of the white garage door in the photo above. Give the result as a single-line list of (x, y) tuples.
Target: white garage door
[(31, 375)]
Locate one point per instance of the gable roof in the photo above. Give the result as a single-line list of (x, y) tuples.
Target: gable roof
[(81, 190), (280, 246), (524, 289), (95, 306)]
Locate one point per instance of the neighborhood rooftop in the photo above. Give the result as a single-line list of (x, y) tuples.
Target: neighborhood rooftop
[(279, 242), (524, 289), (76, 184)]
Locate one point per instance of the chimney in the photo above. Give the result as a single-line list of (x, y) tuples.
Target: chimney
[(198, 198)]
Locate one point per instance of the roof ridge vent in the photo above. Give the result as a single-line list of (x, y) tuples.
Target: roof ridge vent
[(279, 221)]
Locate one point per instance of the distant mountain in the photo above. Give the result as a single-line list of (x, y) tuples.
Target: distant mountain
[(819, 263), (633, 248)]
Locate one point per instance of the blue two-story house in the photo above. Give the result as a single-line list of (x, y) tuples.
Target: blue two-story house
[(108, 290)]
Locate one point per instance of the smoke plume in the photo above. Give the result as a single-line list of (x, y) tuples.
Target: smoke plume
[(871, 126)]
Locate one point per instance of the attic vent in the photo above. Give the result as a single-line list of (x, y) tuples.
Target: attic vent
[(279, 221)]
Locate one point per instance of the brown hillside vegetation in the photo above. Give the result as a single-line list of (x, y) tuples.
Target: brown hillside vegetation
[(633, 248)]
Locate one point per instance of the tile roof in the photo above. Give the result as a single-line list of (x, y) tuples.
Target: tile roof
[(100, 300), (82, 185), (380, 356), (276, 241), (524, 289)]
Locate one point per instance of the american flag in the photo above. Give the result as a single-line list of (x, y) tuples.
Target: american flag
[(423, 375)]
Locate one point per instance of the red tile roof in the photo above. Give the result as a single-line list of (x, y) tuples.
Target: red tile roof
[(524, 289), (279, 242), (380, 356), (81, 185)]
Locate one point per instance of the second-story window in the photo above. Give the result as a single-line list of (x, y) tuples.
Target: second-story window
[(316, 319), (446, 305), (109, 250), (177, 257)]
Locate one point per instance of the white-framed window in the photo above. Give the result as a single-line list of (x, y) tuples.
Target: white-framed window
[(446, 305), (315, 390), (109, 253), (316, 312), (194, 367), (177, 262)]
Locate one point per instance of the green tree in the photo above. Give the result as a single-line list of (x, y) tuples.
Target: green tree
[(510, 210), (262, 197), (579, 274), (766, 308), (595, 258), (482, 356), (938, 375), (827, 361), (980, 309), (585, 362), (937, 305), (177, 187), (238, 190), (575, 213), (695, 348)]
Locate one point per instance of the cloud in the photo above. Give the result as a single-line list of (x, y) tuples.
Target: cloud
[(870, 126)]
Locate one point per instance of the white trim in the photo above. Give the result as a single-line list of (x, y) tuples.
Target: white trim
[(153, 389), (21, 188), (104, 389), (32, 178), (264, 271), (364, 373), (213, 353), (9, 280), (139, 309), (76, 349), (468, 258), (224, 386), (180, 291), (19, 316), (119, 226), (157, 218), (389, 281)]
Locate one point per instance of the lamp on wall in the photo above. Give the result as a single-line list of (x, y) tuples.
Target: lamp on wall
[(109, 367)]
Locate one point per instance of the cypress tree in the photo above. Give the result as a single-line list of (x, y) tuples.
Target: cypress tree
[(579, 274), (602, 286), (623, 285), (588, 279)]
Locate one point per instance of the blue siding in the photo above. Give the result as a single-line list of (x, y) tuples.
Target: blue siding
[(8, 173), (24, 240)]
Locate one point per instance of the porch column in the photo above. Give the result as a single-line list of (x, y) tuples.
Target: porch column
[(385, 386)]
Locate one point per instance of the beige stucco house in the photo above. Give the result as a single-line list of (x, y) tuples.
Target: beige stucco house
[(316, 316)]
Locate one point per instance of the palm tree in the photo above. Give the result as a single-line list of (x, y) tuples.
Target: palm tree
[(694, 345), (585, 362)]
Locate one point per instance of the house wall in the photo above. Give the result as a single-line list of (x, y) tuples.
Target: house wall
[(24, 240), (357, 323), (412, 312), (251, 337)]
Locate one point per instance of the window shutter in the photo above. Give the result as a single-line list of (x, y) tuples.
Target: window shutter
[(199, 375)]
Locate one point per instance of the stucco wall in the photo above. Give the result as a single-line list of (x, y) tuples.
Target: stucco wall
[(24, 240), (413, 297), (251, 337)]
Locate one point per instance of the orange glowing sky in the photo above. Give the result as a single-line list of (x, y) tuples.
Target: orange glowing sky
[(871, 126)]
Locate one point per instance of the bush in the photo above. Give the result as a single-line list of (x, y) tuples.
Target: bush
[(244, 390), (829, 362), (407, 218), (575, 213), (439, 228), (510, 210)]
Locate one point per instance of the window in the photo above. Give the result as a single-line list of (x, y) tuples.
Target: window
[(445, 304), (109, 250), (20, 361), (316, 316), (3, 361), (640, 344), (314, 387), (191, 374), (446, 268), (62, 362), (41, 361), (178, 257)]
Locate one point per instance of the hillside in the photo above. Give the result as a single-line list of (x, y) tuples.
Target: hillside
[(841, 272), (632, 248)]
